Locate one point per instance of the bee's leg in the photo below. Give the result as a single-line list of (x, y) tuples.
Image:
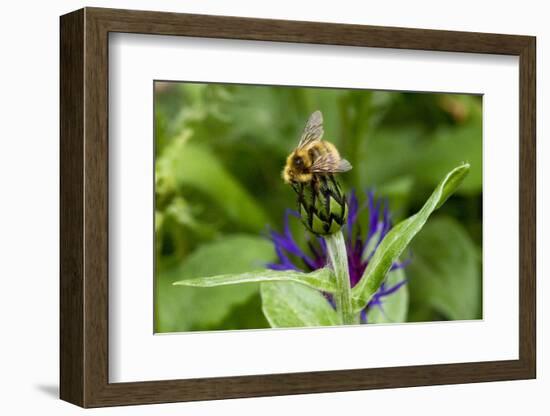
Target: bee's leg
[(297, 188), (315, 183), (325, 191), (335, 185), (324, 180), (315, 186)]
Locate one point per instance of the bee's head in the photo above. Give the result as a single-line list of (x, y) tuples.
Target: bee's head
[(296, 168), (290, 170), (298, 162)]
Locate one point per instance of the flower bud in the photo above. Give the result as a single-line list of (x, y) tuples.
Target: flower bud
[(322, 205)]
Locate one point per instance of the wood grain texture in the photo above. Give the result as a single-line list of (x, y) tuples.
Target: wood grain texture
[(71, 185), (226, 27), (527, 208), (84, 207), (96, 218)]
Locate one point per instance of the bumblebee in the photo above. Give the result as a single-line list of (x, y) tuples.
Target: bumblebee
[(313, 158)]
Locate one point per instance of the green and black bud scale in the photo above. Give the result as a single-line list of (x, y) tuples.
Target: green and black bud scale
[(322, 204)]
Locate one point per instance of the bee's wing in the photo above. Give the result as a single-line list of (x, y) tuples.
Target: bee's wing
[(330, 163), (313, 130)]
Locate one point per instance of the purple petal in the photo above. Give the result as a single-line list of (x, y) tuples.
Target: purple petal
[(364, 316), (284, 260), (382, 227), (287, 243), (382, 292), (323, 245), (401, 265), (386, 292), (353, 210), (374, 215), (386, 222), (277, 266)]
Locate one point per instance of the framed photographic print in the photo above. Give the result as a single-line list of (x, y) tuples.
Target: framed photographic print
[(256, 207)]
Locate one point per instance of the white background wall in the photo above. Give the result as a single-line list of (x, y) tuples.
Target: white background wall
[(29, 86)]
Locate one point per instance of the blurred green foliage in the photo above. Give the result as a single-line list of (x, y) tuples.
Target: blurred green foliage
[(219, 152)]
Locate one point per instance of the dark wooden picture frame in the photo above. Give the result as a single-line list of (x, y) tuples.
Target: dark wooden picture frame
[(84, 207)]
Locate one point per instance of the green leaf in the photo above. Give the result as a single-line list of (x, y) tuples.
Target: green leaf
[(423, 151), (290, 305), (249, 315), (448, 147), (194, 166), (445, 275), (321, 279), (395, 306), (387, 154), (181, 308), (397, 192), (400, 236)]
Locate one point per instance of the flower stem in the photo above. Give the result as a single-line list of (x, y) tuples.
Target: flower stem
[(337, 252)]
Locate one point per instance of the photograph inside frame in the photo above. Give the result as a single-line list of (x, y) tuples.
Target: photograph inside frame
[(292, 207)]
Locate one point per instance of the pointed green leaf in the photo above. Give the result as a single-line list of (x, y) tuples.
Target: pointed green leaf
[(320, 279), (400, 236), (291, 305), (183, 308)]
